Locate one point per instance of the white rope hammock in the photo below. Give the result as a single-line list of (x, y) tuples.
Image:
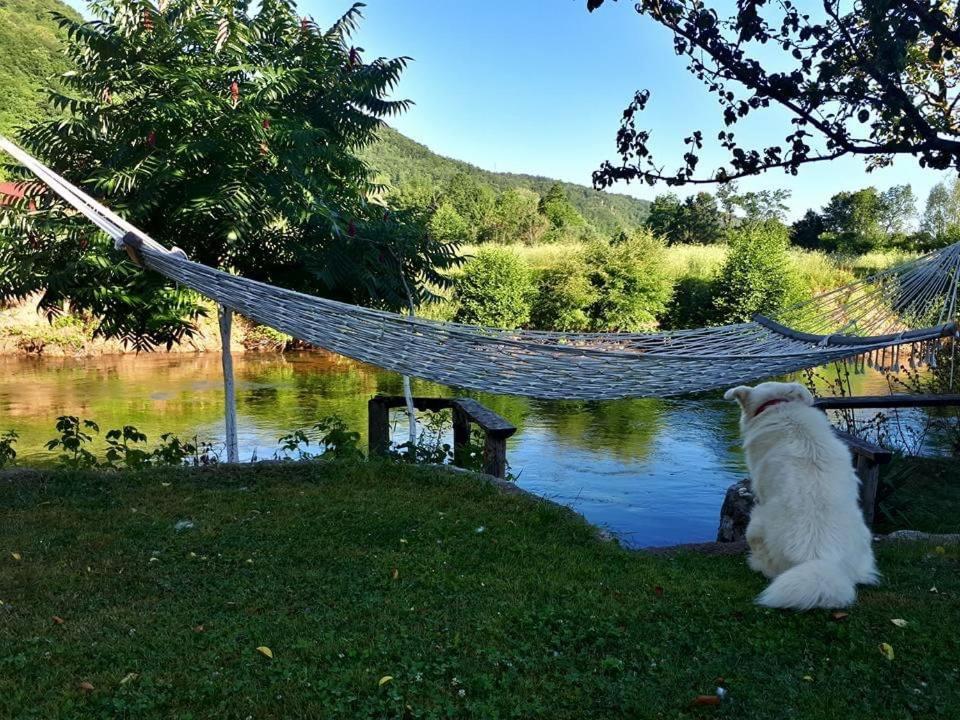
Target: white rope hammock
[(913, 305)]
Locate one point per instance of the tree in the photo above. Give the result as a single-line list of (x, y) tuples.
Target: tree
[(807, 231), (495, 290), (472, 200), (941, 216), (871, 78), (853, 221), (231, 135), (756, 277), (516, 217), (696, 220), (446, 225), (898, 209), (665, 218), (764, 205), (700, 220), (631, 284), (559, 210)]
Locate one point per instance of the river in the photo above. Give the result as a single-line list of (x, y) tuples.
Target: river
[(653, 472)]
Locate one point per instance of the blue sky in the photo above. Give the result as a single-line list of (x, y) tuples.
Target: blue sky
[(538, 86)]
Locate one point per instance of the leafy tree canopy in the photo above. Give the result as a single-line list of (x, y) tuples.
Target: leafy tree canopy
[(232, 134), (874, 78)]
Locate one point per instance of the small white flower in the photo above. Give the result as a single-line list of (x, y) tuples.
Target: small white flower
[(461, 692)]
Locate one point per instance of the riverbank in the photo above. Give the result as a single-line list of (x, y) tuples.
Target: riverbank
[(339, 590), (24, 330)]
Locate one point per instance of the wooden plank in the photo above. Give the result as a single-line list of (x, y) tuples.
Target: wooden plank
[(886, 401), (862, 448), (487, 419), (378, 427)]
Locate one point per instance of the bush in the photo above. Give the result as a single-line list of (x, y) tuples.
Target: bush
[(564, 297), (692, 304), (757, 276), (495, 290), (631, 281)]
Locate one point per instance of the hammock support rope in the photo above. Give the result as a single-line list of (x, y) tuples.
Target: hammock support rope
[(911, 305)]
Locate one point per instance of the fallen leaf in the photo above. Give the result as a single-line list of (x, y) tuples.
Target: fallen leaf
[(658, 591), (808, 678), (16, 556), (86, 686), (940, 550), (706, 700), (129, 677), (839, 615), (265, 651), (58, 620), (886, 649), (899, 622), (384, 680), (395, 574), (934, 589), (198, 629), (165, 484)]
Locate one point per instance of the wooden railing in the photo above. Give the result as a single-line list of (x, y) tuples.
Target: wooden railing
[(465, 412), (867, 457)]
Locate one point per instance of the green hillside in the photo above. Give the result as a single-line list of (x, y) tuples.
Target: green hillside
[(403, 161), (29, 53)]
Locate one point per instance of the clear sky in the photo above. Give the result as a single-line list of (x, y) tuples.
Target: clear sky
[(538, 86)]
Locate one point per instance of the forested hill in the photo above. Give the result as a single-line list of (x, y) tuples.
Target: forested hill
[(30, 52), (404, 162)]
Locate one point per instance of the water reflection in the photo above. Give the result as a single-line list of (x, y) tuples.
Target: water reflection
[(652, 471)]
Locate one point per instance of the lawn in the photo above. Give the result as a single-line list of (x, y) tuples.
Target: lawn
[(384, 591)]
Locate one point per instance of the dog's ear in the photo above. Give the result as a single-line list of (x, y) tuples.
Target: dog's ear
[(799, 392), (738, 393)]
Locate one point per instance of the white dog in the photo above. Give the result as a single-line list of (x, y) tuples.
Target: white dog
[(806, 531)]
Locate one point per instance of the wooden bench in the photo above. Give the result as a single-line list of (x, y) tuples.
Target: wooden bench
[(867, 457), (465, 412)]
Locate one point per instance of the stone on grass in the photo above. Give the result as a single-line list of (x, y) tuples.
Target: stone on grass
[(735, 513)]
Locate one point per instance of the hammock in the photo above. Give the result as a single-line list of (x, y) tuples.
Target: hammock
[(871, 320)]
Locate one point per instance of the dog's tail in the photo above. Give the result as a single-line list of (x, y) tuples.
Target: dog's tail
[(813, 584)]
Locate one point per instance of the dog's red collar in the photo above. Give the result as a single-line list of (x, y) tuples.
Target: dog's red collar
[(767, 404)]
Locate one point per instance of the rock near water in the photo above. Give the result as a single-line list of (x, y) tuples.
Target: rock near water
[(735, 513)]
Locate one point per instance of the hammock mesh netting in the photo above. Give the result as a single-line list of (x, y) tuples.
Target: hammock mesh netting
[(893, 317)]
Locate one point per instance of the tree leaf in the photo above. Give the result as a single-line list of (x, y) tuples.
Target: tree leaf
[(384, 680), (265, 651), (886, 649), (899, 622), (16, 556)]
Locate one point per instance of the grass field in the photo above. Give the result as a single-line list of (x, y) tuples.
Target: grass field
[(397, 592)]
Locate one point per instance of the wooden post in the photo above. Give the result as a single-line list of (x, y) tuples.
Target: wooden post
[(225, 316), (495, 456), (378, 427), (869, 473), (461, 433)]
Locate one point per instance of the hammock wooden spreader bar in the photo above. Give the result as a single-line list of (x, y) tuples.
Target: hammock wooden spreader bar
[(909, 305)]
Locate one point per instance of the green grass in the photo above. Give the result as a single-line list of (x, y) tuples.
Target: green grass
[(530, 618)]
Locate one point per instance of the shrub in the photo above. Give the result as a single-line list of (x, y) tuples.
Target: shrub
[(495, 290), (757, 276), (564, 297), (8, 455), (630, 279), (692, 304)]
